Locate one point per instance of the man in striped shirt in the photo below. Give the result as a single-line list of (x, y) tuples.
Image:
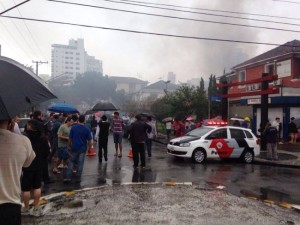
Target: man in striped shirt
[(117, 127)]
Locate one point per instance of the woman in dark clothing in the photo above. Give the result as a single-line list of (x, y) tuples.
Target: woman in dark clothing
[(32, 175), (293, 131)]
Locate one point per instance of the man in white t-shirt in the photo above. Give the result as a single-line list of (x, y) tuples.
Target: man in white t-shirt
[(15, 152)]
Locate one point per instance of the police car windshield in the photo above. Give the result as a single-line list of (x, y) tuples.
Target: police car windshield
[(199, 132)]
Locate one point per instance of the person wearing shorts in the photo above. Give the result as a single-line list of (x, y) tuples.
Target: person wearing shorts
[(16, 152), (117, 127), (63, 138), (32, 175)]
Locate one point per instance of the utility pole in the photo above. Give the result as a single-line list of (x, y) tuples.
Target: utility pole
[(37, 66)]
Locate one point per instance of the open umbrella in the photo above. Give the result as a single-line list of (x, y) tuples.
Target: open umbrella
[(20, 89), (89, 112), (168, 119), (237, 118), (104, 106), (62, 108)]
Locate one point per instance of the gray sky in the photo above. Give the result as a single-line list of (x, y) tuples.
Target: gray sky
[(144, 56)]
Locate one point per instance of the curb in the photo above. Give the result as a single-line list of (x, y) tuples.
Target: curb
[(278, 164)]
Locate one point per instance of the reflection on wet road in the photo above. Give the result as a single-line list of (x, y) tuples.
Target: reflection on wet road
[(262, 182)]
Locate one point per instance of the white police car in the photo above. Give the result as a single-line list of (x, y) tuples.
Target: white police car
[(216, 142)]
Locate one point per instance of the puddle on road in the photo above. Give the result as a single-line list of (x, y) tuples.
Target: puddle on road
[(67, 206), (272, 196)]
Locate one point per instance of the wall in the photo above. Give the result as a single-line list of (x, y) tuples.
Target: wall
[(296, 68), (240, 110)]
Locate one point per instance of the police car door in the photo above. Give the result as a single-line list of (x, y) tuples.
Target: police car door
[(238, 141), (217, 144)]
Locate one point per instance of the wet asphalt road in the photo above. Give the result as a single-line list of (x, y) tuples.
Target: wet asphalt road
[(263, 182)]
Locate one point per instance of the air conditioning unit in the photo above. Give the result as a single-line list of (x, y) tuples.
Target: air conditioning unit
[(256, 87), (249, 88), (277, 82)]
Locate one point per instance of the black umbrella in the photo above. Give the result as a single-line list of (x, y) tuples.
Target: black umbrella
[(20, 89), (104, 106), (144, 114), (88, 112)]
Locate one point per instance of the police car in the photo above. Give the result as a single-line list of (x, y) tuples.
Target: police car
[(216, 142)]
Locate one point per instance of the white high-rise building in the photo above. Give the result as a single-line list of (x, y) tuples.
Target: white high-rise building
[(72, 59), (172, 77)]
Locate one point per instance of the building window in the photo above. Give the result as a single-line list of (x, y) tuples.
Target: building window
[(269, 68), (284, 68), (77, 68), (77, 53), (242, 77)]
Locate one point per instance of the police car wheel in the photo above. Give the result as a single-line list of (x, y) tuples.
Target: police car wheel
[(199, 155), (248, 156)]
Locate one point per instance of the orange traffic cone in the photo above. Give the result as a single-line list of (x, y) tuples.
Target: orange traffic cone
[(91, 152), (130, 153)]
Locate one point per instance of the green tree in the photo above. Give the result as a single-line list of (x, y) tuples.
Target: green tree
[(201, 101), (92, 87), (215, 107), (161, 108)]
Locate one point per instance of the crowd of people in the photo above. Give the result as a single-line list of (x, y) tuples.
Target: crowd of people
[(64, 140)]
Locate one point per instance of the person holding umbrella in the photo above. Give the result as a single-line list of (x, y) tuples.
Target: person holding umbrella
[(103, 137)]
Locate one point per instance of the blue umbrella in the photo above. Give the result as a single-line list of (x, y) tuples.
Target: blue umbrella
[(62, 108)]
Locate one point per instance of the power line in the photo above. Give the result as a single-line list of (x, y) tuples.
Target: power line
[(33, 39), (200, 13), (144, 32), (14, 7), (176, 17), (14, 46), (286, 1), (21, 33), (13, 37), (215, 10), (37, 63)]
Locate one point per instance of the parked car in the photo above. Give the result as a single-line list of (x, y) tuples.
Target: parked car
[(22, 123), (216, 142)]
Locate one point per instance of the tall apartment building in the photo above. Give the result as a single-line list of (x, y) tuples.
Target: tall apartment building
[(171, 77), (72, 59)]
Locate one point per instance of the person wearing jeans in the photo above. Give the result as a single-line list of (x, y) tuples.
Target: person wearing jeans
[(80, 140)]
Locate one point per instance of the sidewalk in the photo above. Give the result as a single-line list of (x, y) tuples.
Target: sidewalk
[(288, 155)]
